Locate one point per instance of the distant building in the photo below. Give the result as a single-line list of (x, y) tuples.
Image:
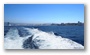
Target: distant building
[(62, 24), (7, 24), (79, 22)]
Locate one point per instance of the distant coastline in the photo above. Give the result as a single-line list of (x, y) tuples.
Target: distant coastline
[(48, 24)]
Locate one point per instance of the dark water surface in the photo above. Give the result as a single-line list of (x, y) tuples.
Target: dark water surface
[(75, 33)]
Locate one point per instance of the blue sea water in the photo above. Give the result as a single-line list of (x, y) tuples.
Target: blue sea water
[(75, 33)]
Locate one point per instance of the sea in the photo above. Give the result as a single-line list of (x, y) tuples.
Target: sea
[(44, 37)]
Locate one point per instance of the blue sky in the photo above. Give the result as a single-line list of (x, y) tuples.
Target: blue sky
[(43, 13)]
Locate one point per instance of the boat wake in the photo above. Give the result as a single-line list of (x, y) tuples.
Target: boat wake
[(27, 38)]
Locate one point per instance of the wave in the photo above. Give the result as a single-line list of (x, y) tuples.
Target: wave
[(37, 39)]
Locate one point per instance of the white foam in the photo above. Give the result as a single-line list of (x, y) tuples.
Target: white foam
[(51, 41), (13, 40), (42, 39)]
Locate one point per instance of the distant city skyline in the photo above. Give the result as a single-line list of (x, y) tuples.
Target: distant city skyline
[(44, 13)]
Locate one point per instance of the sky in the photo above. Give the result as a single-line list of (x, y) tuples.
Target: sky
[(43, 13)]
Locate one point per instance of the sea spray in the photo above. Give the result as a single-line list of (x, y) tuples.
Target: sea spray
[(39, 40)]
